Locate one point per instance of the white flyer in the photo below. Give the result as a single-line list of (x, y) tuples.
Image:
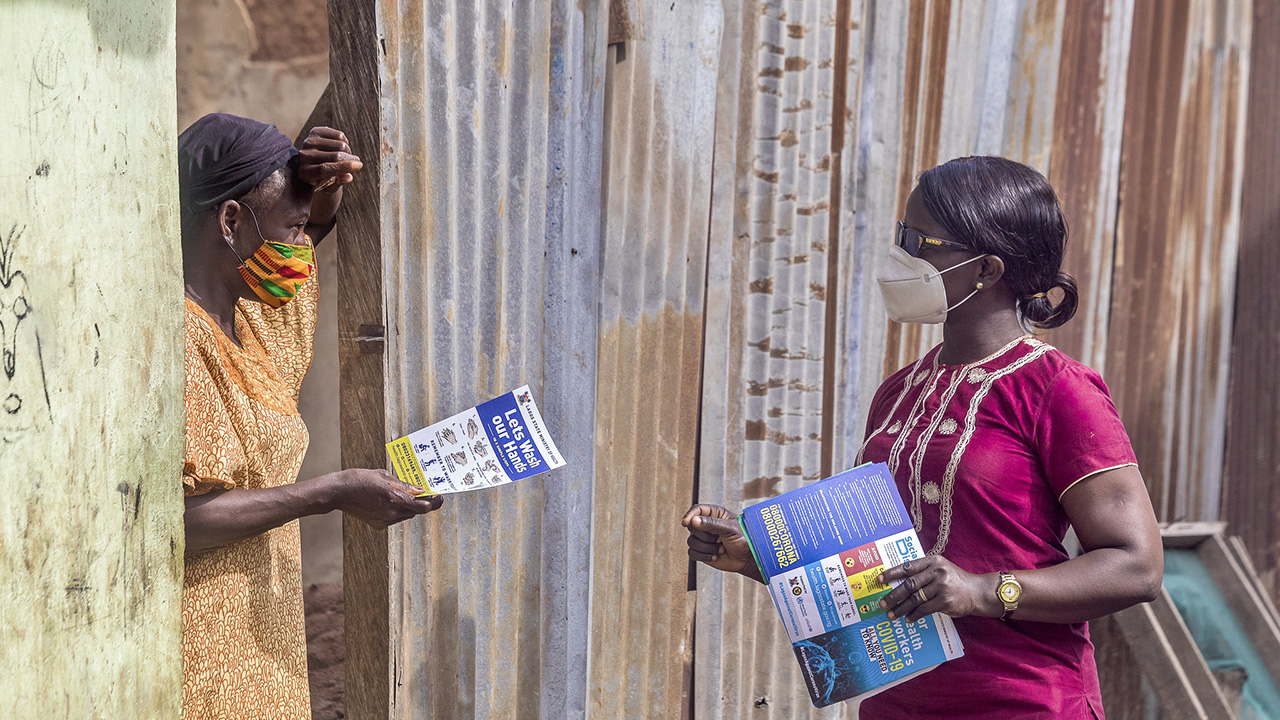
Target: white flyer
[(494, 443)]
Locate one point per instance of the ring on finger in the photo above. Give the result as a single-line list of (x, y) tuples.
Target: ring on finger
[(920, 594)]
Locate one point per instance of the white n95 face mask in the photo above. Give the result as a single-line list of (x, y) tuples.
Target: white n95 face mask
[(913, 290)]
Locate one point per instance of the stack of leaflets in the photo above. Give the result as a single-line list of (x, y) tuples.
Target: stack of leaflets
[(821, 549), (494, 443)]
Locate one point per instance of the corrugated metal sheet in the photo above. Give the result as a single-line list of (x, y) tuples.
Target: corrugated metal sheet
[(1197, 106), (1253, 441), (1084, 166), (901, 113), (1161, 335), (767, 320), (492, 115), (534, 231), (940, 80), (925, 82), (1178, 233), (659, 123)]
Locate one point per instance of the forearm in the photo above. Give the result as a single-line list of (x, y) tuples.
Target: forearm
[(221, 518), (324, 213), (1090, 586)]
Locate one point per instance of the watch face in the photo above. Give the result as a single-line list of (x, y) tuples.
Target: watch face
[(1010, 592)]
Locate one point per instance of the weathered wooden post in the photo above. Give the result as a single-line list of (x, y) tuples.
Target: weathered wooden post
[(91, 338)]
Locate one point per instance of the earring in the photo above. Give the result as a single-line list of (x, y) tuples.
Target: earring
[(980, 286)]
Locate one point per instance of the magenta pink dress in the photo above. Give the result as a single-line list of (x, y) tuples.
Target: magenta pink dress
[(982, 453)]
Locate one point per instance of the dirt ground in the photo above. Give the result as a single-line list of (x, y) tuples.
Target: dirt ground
[(326, 650)]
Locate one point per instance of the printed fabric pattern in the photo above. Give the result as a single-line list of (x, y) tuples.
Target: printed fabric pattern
[(244, 648)]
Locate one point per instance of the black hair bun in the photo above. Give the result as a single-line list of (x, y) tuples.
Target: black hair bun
[(1041, 310)]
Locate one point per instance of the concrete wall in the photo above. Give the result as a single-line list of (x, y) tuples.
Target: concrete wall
[(91, 324), (261, 59), (270, 61)]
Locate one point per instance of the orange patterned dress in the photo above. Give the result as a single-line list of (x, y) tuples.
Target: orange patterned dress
[(244, 644)]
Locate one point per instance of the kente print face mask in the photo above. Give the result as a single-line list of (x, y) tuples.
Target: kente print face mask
[(276, 271)]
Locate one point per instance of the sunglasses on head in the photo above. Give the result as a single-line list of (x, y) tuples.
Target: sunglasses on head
[(912, 241)]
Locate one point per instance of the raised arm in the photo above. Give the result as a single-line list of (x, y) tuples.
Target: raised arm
[(326, 163)]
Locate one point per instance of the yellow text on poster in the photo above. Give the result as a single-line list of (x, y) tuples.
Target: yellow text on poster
[(405, 464)]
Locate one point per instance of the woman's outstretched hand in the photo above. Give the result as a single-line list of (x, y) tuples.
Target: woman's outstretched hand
[(716, 539), (222, 517), (378, 498)]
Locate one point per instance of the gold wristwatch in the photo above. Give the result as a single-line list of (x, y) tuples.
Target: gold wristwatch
[(1010, 592)]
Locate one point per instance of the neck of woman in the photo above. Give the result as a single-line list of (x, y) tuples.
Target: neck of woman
[(971, 339), (211, 294)]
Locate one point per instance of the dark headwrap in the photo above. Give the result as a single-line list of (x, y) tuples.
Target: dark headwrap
[(221, 157)]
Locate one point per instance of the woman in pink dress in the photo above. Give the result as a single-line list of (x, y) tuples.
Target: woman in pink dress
[(998, 442)]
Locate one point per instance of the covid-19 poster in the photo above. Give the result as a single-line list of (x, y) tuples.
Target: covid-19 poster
[(494, 443)]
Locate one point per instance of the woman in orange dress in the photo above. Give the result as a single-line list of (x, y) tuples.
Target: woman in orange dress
[(252, 206)]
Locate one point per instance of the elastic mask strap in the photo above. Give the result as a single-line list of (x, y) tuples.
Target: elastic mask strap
[(953, 267), (259, 228), (256, 227), (965, 300), (226, 239), (966, 262)]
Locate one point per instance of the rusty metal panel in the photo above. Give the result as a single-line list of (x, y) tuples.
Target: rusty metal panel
[(625, 21), (535, 230), (1168, 343), (918, 87), (1000, 80), (1084, 166), (782, 116), (659, 124), (1253, 443), (904, 71), (920, 83), (491, 118), (940, 80)]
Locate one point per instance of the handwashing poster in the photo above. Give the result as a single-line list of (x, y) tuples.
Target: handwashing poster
[(494, 443)]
